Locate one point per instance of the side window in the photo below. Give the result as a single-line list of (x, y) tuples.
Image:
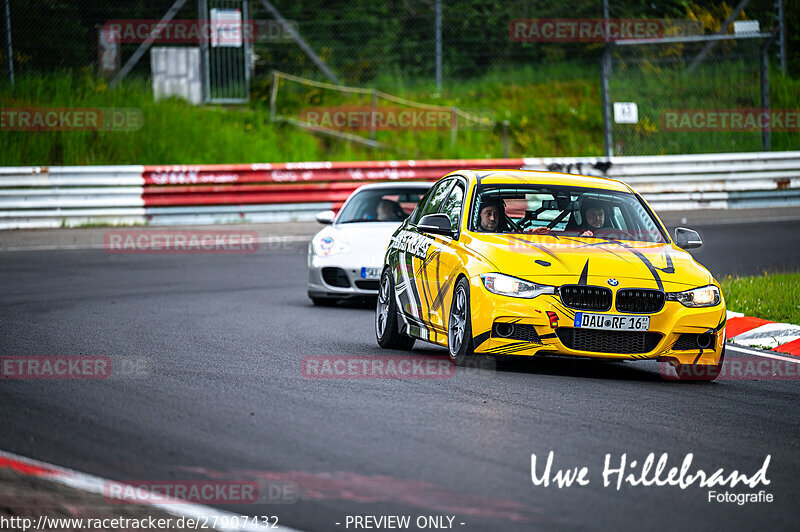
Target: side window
[(434, 200), (452, 207)]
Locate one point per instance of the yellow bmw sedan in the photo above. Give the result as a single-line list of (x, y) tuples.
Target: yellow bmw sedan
[(511, 262)]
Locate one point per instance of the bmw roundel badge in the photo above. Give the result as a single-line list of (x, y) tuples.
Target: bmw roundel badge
[(613, 282)]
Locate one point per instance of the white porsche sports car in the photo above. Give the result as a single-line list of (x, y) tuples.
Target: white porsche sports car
[(346, 257)]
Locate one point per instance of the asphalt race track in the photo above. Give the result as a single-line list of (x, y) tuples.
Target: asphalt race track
[(219, 341)]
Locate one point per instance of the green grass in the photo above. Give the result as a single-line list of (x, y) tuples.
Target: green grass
[(772, 296), (552, 111)]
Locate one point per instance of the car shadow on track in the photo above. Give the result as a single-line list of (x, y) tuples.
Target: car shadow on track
[(586, 368), (364, 303)]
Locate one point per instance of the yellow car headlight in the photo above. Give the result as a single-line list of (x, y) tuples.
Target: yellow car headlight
[(705, 296), (505, 285)]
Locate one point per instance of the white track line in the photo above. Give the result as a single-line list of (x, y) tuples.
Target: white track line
[(764, 354), (92, 484)]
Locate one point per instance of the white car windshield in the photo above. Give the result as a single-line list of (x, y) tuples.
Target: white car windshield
[(381, 205), (564, 210)]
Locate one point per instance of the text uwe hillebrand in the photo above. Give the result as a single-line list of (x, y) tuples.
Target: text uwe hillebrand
[(649, 472)]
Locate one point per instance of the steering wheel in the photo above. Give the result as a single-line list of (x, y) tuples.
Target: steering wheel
[(399, 213), (610, 232), (512, 225), (524, 223)]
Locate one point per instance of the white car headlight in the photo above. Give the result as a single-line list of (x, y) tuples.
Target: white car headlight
[(330, 245), (705, 296), (504, 285)]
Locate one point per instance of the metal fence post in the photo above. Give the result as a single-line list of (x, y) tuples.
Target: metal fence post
[(505, 139), (8, 43), (454, 128), (373, 109), (605, 67), (766, 140), (205, 72), (439, 46), (273, 98), (782, 36), (605, 63)]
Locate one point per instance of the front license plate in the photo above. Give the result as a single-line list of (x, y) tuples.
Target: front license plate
[(611, 322), (370, 273)]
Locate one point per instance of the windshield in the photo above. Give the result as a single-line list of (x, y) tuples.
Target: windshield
[(563, 211), (381, 205)]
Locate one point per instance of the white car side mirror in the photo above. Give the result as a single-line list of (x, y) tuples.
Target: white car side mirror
[(326, 217)]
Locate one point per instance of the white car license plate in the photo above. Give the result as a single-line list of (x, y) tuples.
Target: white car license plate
[(370, 273), (611, 322)]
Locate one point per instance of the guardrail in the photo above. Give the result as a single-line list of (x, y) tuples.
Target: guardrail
[(683, 182), (203, 194), (35, 197)]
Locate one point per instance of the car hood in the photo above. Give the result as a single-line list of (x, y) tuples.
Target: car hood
[(366, 240), (572, 260)]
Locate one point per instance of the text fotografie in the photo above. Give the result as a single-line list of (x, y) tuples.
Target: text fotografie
[(650, 473)]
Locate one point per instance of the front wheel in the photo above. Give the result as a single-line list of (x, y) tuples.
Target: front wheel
[(459, 327), (386, 332)]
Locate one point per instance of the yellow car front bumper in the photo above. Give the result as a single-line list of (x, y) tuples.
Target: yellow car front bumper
[(542, 326)]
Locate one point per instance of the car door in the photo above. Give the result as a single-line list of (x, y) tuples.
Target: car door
[(414, 252), (443, 261)]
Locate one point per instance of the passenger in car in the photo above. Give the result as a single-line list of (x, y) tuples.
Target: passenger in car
[(593, 217)]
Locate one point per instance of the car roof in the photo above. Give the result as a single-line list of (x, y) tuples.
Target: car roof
[(397, 184), (534, 177)]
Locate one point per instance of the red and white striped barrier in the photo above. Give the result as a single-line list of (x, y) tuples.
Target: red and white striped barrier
[(222, 521), (33, 197), (289, 182), (205, 194), (764, 334)]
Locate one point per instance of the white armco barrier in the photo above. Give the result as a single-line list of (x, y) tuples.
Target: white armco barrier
[(56, 196), (70, 196), (683, 182)]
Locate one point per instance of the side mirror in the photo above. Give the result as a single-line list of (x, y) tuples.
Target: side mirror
[(326, 217), (438, 224), (687, 238)]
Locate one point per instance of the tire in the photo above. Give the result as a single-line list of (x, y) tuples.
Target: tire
[(459, 326), (323, 301), (700, 373), (386, 332)]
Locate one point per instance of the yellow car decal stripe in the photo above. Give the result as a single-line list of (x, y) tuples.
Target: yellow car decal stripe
[(583, 280), (540, 248), (477, 341)]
